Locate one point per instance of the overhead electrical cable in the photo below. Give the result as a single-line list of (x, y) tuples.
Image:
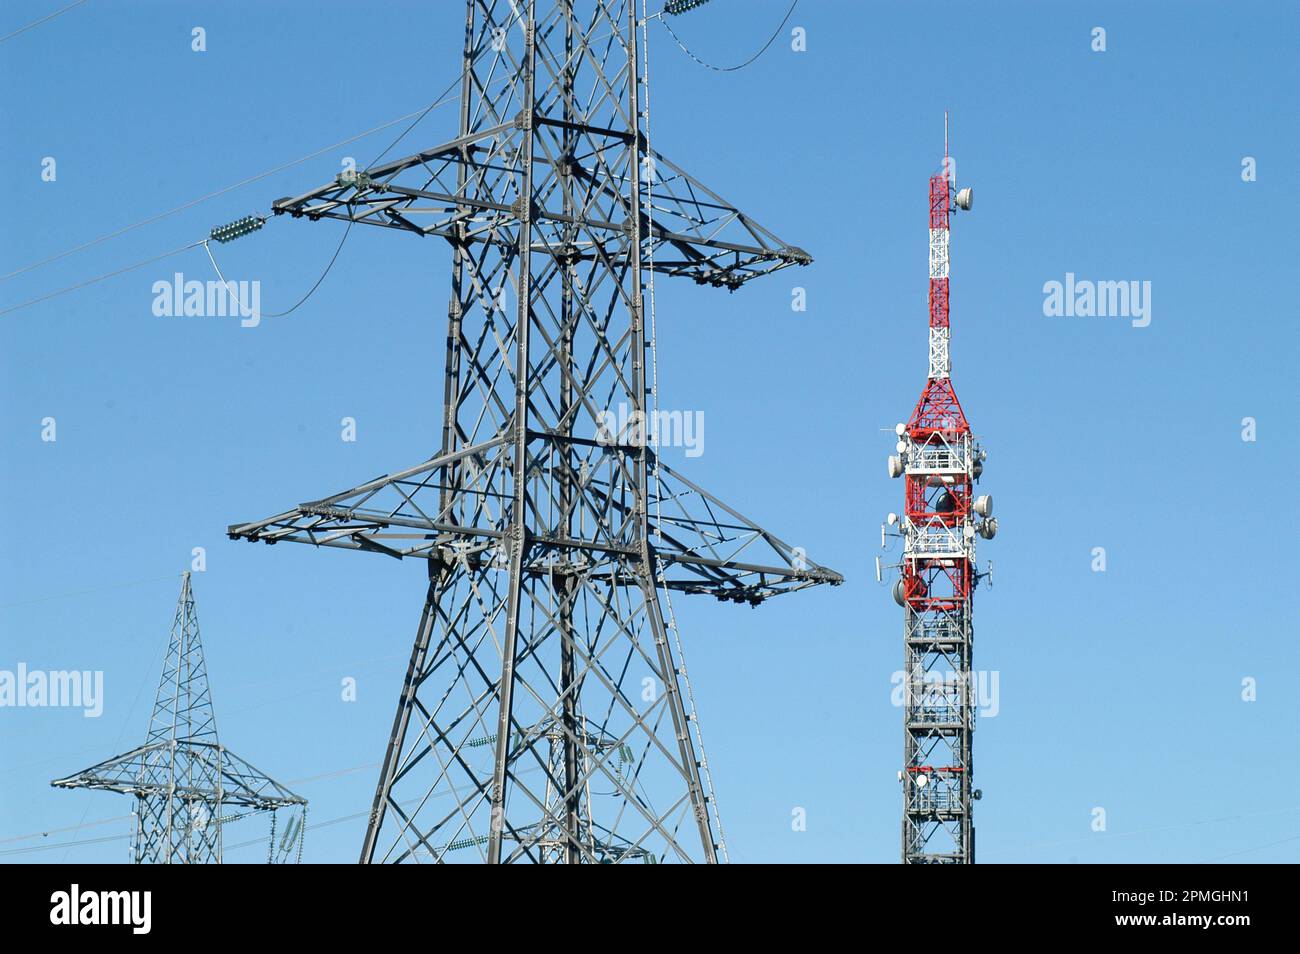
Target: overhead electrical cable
[(418, 116), (44, 19), (104, 277), (420, 113), (739, 66)]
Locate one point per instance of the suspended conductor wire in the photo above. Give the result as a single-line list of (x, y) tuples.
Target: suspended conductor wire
[(438, 101), (204, 242), (418, 115), (44, 19), (739, 66), (219, 192), (654, 397), (1247, 851), (104, 277), (441, 98), (97, 589), (311, 291)]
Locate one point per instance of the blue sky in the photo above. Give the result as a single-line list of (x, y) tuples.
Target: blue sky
[(1120, 690)]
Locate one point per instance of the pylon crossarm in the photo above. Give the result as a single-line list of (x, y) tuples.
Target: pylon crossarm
[(705, 545), (243, 784), (743, 561), (716, 243), (147, 770), (352, 517), (695, 232), (128, 772)]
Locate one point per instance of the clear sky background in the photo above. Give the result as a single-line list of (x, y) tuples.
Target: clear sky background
[(1119, 689)]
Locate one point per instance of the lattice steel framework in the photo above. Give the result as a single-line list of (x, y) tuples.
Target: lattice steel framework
[(543, 716), (941, 462), (188, 787)]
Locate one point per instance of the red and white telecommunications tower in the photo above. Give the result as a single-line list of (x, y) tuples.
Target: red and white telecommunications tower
[(940, 463)]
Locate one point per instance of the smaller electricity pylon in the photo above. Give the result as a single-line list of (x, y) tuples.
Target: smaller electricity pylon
[(188, 787)]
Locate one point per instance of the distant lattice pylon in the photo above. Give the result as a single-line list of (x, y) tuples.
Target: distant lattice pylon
[(187, 785)]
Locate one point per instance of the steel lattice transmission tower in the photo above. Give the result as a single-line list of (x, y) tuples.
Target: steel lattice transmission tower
[(188, 787), (545, 715), (940, 462)]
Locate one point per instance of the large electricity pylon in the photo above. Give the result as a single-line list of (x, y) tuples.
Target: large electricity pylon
[(543, 715), (188, 787), (940, 461)]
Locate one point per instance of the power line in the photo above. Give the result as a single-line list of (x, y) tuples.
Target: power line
[(100, 278), (1247, 851), (63, 844), (311, 291), (421, 113), (335, 774), (442, 98), (257, 841), (116, 818), (739, 66), (419, 116), (364, 814), (52, 831), (44, 19), (97, 589), (313, 827)]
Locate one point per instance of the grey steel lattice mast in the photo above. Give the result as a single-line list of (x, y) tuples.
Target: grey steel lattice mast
[(542, 715), (183, 779)]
